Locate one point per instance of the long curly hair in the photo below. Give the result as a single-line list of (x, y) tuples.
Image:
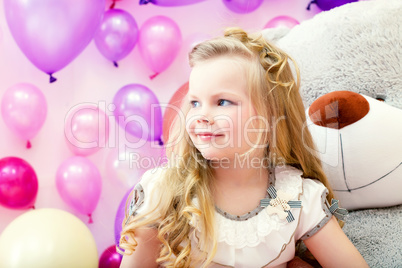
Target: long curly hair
[(186, 199)]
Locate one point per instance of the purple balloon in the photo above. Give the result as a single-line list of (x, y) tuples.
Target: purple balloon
[(24, 110), (52, 33), (110, 258), (329, 4), (138, 112), (79, 184), (18, 183), (159, 43), (117, 35), (170, 3), (242, 6), (281, 21), (120, 217)]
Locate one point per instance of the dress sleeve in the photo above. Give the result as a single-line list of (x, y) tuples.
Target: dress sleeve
[(145, 195), (315, 212)]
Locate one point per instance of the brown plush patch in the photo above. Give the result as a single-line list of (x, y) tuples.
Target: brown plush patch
[(338, 109)]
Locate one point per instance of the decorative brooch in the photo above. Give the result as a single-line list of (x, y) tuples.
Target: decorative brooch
[(280, 204)]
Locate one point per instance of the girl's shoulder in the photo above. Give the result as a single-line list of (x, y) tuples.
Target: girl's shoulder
[(152, 176), (145, 194), (290, 178)]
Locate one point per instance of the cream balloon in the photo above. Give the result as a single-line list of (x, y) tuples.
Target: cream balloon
[(47, 238)]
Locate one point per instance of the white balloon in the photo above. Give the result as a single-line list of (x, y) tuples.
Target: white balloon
[(47, 238)]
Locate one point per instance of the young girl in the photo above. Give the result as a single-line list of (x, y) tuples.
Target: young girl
[(243, 184)]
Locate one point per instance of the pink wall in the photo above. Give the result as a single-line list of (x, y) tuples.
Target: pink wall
[(91, 78)]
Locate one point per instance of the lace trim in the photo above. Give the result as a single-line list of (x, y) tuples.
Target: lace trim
[(253, 230)]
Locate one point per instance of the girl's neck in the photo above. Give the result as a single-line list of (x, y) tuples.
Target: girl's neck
[(238, 190), (239, 175), (241, 170)]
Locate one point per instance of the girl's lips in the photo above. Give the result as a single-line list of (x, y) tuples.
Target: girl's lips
[(207, 136)]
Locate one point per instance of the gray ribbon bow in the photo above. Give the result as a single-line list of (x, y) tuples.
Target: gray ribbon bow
[(339, 213), (277, 200)]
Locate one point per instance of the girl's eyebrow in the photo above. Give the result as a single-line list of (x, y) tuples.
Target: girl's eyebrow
[(222, 93)]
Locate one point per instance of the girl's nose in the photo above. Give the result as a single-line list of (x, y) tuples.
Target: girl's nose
[(204, 119)]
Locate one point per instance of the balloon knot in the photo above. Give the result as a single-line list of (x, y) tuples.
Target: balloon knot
[(312, 2), (33, 207), (115, 64), (29, 145), (144, 2), (153, 76), (90, 218), (52, 78), (160, 142)]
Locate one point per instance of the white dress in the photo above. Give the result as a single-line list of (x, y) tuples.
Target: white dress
[(262, 237)]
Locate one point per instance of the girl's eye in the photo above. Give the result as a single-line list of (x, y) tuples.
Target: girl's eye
[(194, 104), (224, 102)]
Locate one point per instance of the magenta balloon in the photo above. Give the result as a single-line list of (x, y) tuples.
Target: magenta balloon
[(138, 112), (24, 110), (18, 183), (110, 258), (170, 3), (117, 35), (52, 33), (159, 43), (281, 21), (120, 214), (242, 6), (86, 129), (79, 184)]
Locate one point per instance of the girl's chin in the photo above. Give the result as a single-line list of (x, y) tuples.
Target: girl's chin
[(214, 156)]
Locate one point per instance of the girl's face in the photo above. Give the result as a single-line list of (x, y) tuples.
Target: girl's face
[(221, 117)]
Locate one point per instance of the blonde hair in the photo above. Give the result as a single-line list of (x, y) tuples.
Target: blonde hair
[(274, 94)]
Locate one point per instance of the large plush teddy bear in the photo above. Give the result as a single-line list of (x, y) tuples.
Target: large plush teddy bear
[(351, 56), (356, 47)]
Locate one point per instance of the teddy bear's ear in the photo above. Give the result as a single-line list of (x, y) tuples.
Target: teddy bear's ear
[(274, 34), (338, 109)]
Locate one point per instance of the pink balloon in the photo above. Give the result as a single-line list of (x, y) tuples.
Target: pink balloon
[(110, 258), (189, 43), (79, 184), (159, 43), (194, 39), (18, 183), (52, 33), (126, 165), (24, 110), (281, 21), (117, 35), (86, 129), (242, 6), (170, 3), (138, 112)]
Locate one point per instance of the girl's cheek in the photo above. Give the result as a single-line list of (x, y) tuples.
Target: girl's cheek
[(190, 122)]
